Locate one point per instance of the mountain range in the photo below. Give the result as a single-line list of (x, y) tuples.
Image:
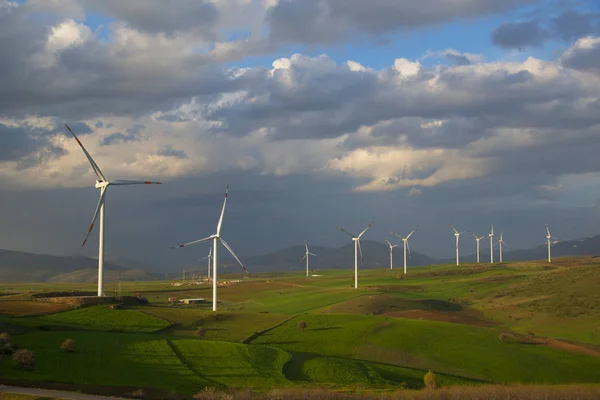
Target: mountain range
[(16, 266)]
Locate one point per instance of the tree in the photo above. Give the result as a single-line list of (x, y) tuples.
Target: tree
[(430, 380), (68, 345), (302, 325), (24, 357)]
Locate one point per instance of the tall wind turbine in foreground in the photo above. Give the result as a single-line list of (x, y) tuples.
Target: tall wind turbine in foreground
[(491, 235), (216, 238), (405, 241), (477, 239), (457, 235), (208, 257), (102, 183), (501, 242), (356, 240), (391, 246), (308, 253)]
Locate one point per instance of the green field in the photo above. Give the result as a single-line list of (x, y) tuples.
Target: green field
[(383, 336)]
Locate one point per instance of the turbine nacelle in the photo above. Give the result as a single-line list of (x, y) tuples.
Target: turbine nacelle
[(101, 184)]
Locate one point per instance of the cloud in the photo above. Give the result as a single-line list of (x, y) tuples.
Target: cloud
[(169, 151), (584, 55), (519, 35), (334, 21), (131, 135)]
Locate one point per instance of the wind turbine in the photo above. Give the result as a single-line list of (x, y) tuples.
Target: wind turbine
[(477, 239), (457, 235), (549, 238), (501, 242), (308, 253), (102, 183), (391, 246), (406, 246), (356, 240), (216, 238), (491, 235), (209, 257)]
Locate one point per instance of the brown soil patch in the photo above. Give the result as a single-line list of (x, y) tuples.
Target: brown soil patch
[(17, 308), (558, 344), (461, 317)]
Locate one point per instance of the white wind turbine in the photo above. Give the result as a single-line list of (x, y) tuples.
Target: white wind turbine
[(208, 257), (457, 235), (216, 238), (308, 253), (549, 238), (391, 246), (501, 242), (406, 246), (102, 183), (491, 235), (477, 239), (356, 240)]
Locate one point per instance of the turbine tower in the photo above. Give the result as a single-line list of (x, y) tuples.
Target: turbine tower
[(549, 238), (216, 238), (491, 235), (208, 257), (102, 183), (406, 246), (457, 235), (391, 246), (357, 249), (477, 239), (501, 242), (308, 253)]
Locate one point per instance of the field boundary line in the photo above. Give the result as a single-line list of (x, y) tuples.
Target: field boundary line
[(186, 364), (257, 334)]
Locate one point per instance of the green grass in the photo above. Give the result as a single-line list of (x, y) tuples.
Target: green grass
[(103, 318), (234, 365)]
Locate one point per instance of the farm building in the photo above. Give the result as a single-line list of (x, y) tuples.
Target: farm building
[(192, 301)]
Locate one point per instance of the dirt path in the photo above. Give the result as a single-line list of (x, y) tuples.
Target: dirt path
[(558, 344), (56, 394)]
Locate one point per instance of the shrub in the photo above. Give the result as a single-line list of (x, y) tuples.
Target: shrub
[(25, 358), (4, 339), (200, 332), (430, 380), (302, 325), (138, 393), (68, 345)]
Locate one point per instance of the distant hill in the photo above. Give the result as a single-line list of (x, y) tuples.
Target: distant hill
[(376, 255), (580, 247), (17, 266)]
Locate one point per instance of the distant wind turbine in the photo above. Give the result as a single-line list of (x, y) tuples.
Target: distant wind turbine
[(549, 238), (406, 246), (356, 240), (501, 242), (391, 246), (208, 257), (477, 239), (457, 236), (102, 183), (216, 238), (308, 253), (491, 235)]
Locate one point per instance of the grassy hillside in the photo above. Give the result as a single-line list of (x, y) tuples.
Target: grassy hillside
[(526, 322)]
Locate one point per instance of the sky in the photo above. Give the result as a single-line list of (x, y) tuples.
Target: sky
[(317, 113)]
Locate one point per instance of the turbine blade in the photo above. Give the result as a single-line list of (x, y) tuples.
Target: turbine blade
[(312, 254), (126, 182), (366, 229), (453, 228), (548, 230), (100, 202), (95, 167), (232, 253), (388, 242), (302, 259), (346, 232), (408, 248), (475, 236), (401, 237), (306, 246), (360, 251), (222, 211), (206, 239), (410, 234)]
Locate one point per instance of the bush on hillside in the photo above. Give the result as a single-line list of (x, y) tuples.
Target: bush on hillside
[(25, 358), (4, 339), (68, 345), (430, 380), (302, 325), (200, 331)]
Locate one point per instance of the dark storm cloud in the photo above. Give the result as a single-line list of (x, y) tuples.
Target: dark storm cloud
[(519, 35), (132, 135), (17, 143), (333, 21), (568, 26)]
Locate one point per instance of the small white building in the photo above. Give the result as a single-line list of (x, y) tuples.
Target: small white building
[(192, 301)]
